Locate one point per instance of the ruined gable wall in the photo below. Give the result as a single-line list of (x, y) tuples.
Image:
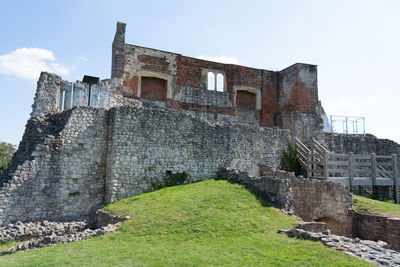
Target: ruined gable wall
[(189, 83), (298, 89), (293, 89), (298, 102)]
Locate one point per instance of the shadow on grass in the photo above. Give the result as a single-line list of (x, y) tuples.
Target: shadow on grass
[(264, 200)]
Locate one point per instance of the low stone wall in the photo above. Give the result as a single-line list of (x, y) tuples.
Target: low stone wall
[(374, 227), (56, 234), (269, 171), (374, 252), (323, 201), (316, 200)]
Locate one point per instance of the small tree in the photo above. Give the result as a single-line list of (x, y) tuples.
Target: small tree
[(289, 160), (6, 152)]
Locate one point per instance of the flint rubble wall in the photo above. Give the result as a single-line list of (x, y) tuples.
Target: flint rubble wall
[(70, 164)]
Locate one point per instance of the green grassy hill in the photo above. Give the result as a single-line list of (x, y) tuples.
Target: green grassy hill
[(370, 206), (206, 223)]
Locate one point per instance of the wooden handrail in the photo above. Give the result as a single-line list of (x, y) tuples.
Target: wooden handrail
[(320, 162)]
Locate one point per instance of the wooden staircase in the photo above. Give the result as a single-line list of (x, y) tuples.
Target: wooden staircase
[(349, 168), (312, 160)]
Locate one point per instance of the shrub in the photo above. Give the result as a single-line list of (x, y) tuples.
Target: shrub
[(176, 178), (289, 160), (171, 180)]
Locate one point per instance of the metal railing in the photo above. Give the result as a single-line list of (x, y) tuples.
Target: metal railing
[(344, 124), (80, 94)]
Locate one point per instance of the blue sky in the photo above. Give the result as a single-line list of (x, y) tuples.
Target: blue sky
[(356, 45)]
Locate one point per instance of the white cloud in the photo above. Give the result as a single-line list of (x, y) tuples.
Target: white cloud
[(221, 59), (27, 63), (83, 58)]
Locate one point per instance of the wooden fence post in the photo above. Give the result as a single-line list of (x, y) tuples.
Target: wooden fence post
[(350, 158), (326, 169), (396, 177), (309, 164), (373, 173)]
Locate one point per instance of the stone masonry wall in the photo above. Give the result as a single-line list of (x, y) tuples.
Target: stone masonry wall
[(146, 143), (344, 143), (323, 201), (373, 227), (71, 163), (305, 126), (46, 96), (58, 170)]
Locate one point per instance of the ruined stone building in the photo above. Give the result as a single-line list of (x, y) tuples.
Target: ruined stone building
[(88, 144), (286, 99)]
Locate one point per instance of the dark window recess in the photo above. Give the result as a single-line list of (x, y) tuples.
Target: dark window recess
[(154, 89), (246, 100)]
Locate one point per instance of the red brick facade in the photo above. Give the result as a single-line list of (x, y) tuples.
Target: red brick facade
[(267, 93), (246, 100), (154, 89)]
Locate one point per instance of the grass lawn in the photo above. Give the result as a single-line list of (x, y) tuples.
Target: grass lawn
[(206, 223), (5, 245), (370, 206)]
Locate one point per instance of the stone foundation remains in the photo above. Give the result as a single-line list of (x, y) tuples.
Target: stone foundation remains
[(311, 200), (43, 234), (374, 252), (323, 202)]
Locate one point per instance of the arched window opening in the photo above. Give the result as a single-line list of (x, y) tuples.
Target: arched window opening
[(220, 82), (210, 81)]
